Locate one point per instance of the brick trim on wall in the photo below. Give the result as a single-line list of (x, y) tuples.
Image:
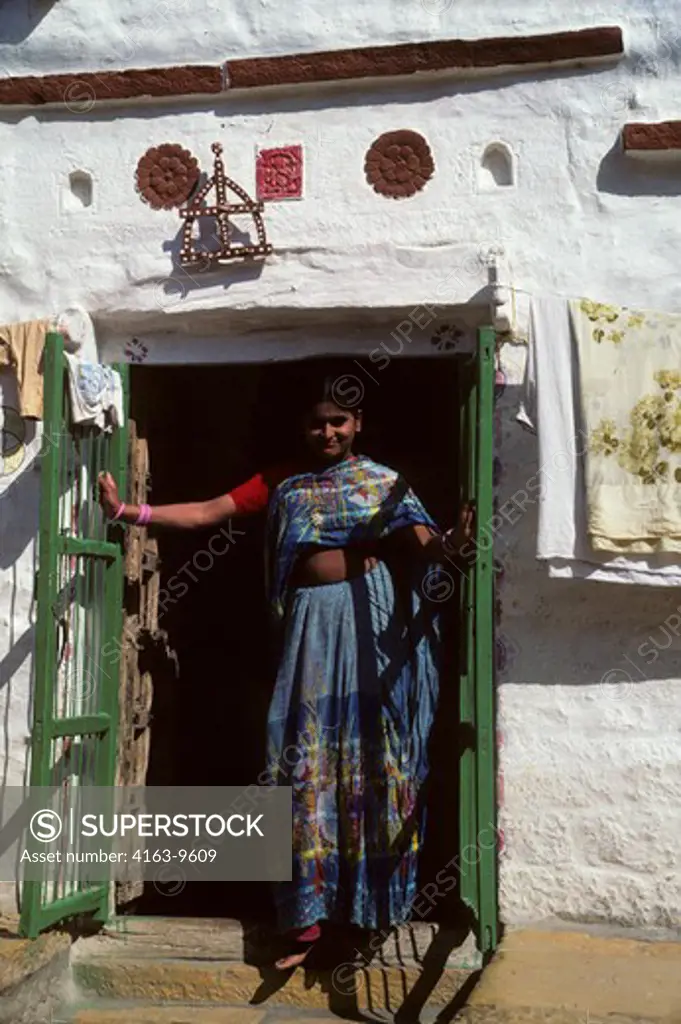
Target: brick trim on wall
[(411, 58), (80, 92), (651, 138)]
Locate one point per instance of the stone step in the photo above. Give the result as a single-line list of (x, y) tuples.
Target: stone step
[(218, 962), (198, 983), (131, 1013), (226, 939), (135, 1013)]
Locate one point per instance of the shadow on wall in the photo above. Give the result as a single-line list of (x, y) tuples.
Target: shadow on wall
[(622, 175), (569, 631), (18, 18), (19, 499), (19, 504), (186, 279)]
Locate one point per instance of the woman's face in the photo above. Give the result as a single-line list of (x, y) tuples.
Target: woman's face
[(330, 431)]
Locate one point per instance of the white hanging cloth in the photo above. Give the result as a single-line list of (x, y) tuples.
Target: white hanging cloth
[(96, 394)]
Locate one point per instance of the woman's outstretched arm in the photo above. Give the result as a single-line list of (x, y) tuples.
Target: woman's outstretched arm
[(191, 516)]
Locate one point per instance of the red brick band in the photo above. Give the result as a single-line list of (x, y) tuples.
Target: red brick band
[(662, 136), (409, 58), (80, 92)]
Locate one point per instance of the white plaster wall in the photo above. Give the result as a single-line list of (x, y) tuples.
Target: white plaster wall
[(590, 807), (590, 730), (51, 35)]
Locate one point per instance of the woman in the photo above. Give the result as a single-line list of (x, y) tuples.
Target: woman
[(348, 548)]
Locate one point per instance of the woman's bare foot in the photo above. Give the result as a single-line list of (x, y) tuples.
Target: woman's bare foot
[(287, 963)]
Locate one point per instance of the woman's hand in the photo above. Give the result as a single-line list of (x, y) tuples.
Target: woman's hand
[(454, 539), (443, 547), (108, 495)]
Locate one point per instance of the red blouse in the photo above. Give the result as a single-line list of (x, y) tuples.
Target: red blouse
[(254, 495)]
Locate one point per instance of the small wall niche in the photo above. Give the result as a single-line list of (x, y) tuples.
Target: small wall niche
[(80, 192), (497, 167)]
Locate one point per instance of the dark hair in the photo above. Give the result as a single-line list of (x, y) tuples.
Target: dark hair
[(288, 391), (326, 381)]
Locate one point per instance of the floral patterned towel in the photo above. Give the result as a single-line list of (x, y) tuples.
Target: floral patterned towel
[(630, 395)]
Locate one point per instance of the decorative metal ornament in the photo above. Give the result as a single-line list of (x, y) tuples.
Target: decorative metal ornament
[(166, 176), (447, 337), (220, 212), (398, 164)]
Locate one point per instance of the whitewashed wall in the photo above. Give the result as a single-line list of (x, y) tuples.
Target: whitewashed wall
[(590, 806), (41, 37)]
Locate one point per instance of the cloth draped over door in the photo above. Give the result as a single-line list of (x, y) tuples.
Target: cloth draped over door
[(21, 349), (96, 393), (552, 406)]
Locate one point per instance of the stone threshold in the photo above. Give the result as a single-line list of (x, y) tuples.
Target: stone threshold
[(214, 962), (231, 941)]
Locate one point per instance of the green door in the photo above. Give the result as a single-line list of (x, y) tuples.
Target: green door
[(477, 760), (78, 628)]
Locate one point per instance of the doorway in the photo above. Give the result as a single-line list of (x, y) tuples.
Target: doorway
[(209, 428)]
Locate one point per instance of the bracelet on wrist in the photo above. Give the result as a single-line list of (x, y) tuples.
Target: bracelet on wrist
[(449, 545), (144, 515)]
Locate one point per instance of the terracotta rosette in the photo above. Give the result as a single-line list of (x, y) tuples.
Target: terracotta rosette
[(399, 164), (166, 176)]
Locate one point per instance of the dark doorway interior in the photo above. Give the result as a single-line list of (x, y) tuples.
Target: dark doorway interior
[(210, 428)]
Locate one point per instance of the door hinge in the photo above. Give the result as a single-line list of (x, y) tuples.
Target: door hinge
[(150, 561)]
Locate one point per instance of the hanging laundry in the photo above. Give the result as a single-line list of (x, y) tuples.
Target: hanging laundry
[(75, 323), (96, 393), (21, 348), (551, 406), (630, 398)]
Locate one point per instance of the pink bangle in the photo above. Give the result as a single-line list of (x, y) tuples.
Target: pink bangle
[(144, 516), (119, 512)]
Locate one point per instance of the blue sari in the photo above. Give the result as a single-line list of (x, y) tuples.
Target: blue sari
[(353, 703)]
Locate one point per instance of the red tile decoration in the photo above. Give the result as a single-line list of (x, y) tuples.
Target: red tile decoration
[(279, 173), (398, 164)]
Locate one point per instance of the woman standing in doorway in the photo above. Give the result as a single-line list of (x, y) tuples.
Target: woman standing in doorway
[(349, 546)]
